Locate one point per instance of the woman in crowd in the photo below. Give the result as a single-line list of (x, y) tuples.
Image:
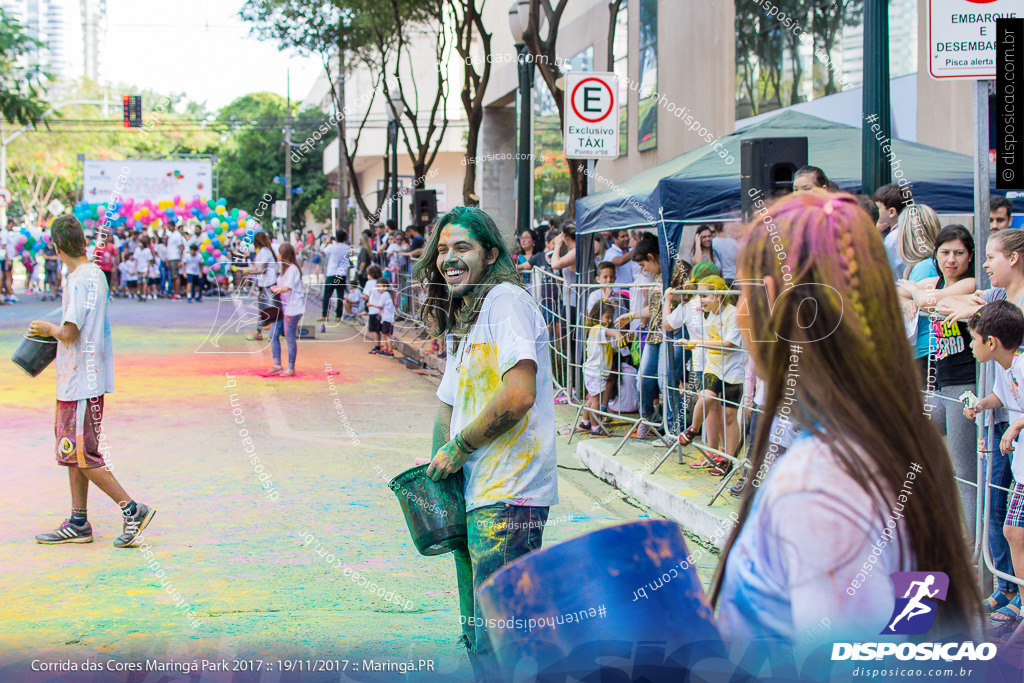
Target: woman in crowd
[(1004, 263), (564, 260), (293, 305), (918, 228), (859, 447), (954, 362), (809, 178), (264, 267), (648, 254), (703, 247), (528, 247), (365, 257)]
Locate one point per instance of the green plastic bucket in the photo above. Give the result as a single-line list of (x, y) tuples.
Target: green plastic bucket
[(435, 511)]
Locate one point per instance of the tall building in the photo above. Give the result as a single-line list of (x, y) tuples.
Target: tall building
[(902, 44), (71, 32)]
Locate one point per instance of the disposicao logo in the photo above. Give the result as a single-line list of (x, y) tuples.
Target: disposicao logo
[(914, 614)]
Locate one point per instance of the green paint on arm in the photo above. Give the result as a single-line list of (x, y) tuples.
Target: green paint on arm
[(442, 428)]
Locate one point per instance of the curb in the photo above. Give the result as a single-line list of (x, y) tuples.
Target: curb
[(654, 492)]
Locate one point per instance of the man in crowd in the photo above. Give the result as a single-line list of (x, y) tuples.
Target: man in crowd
[(1000, 214), (620, 254), (891, 200), (726, 247), (496, 420), (336, 272), (175, 251)]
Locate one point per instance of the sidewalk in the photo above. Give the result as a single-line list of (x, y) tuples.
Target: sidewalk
[(674, 491)]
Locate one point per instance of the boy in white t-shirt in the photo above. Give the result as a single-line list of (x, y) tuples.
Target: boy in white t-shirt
[(85, 373), (143, 258), (997, 331), (193, 268), (382, 315), (372, 324), (129, 278)]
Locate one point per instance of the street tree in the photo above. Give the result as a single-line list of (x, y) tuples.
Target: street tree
[(378, 35), (21, 83), (253, 154), (467, 23), (828, 19)]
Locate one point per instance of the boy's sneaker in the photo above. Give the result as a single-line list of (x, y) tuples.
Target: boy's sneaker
[(67, 533), (134, 525), (386, 354), (375, 350)]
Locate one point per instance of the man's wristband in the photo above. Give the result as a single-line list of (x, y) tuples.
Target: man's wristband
[(462, 444)]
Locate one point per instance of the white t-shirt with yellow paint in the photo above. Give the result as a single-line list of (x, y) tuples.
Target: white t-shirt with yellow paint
[(520, 466)]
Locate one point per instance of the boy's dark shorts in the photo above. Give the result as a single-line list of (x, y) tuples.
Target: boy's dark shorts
[(386, 328), (373, 324), (78, 426), (153, 281), (733, 393)]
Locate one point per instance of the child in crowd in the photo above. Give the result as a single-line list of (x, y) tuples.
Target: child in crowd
[(605, 278), (597, 367), (374, 272), (51, 269), (352, 303), (153, 279), (143, 258), (997, 331), (193, 266), (723, 372), (129, 281), (85, 373), (382, 316)]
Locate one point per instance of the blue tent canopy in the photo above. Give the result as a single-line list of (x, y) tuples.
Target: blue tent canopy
[(701, 187)]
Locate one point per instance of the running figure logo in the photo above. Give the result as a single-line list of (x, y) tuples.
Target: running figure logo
[(914, 613)]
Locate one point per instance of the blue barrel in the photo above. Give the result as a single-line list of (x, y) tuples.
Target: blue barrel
[(580, 605), (34, 354)]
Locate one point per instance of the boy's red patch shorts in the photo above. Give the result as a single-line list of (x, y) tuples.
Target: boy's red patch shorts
[(78, 428)]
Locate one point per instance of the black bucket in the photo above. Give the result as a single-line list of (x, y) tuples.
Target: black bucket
[(434, 510), (34, 354)]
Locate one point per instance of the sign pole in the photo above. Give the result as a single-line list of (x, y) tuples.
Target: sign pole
[(982, 186)]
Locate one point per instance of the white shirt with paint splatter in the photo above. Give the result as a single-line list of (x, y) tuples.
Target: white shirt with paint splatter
[(806, 545), (86, 368), (519, 467)]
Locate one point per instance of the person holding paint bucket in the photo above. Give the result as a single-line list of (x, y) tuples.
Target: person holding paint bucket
[(496, 419), (871, 472), (85, 373)]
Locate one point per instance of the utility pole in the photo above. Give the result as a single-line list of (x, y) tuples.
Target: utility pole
[(288, 161), (875, 170)]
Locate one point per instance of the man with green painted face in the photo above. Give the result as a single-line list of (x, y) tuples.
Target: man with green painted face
[(496, 422)]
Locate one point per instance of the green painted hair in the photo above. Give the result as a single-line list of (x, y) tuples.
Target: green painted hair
[(441, 314)]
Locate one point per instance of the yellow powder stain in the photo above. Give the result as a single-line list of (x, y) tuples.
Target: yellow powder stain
[(478, 377)]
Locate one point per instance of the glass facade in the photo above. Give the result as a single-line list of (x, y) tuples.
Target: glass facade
[(620, 66), (647, 106)]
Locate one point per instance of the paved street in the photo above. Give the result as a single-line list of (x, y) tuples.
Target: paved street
[(246, 562)]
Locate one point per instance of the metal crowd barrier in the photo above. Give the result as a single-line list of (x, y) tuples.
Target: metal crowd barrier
[(552, 293)]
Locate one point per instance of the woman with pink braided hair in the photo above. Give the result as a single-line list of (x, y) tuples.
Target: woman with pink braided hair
[(821, 527)]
